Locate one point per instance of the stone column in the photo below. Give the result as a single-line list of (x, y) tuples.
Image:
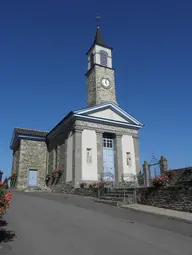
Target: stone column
[(77, 158), (146, 173), (163, 165), (137, 156), (100, 168), (118, 158)]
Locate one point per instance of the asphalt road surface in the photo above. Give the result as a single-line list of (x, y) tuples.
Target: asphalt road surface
[(51, 224)]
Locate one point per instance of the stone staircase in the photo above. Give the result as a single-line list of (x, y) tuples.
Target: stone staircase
[(118, 196)]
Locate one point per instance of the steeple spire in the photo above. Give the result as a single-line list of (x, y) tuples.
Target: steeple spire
[(99, 38)]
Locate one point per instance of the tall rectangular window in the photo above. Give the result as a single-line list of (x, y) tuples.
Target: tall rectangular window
[(92, 60), (103, 58)]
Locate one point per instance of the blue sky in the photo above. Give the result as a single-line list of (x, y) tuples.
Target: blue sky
[(43, 62)]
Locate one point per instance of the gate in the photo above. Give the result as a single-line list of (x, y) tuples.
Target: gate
[(154, 167)]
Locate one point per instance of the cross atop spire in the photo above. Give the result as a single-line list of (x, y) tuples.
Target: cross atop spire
[(98, 21)]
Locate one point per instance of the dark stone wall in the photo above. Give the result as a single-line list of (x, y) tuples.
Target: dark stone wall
[(175, 198), (33, 154), (85, 192), (15, 162)]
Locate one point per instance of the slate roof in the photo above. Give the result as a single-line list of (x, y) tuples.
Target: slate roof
[(30, 132), (98, 40)]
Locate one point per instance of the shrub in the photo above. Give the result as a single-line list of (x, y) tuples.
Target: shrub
[(5, 197)]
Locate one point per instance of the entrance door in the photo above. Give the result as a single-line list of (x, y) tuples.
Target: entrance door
[(32, 177), (108, 159)]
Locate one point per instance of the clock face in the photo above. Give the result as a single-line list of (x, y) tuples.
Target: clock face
[(105, 82)]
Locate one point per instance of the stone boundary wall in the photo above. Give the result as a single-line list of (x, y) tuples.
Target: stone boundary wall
[(175, 198)]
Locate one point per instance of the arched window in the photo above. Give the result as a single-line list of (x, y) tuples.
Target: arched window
[(103, 58)]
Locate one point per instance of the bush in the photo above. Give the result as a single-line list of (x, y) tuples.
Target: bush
[(5, 197)]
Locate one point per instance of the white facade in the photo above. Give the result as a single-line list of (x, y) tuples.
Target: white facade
[(89, 155)]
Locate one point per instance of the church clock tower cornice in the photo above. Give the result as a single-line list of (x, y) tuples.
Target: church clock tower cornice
[(100, 74)]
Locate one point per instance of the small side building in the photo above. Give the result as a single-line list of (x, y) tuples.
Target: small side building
[(29, 157)]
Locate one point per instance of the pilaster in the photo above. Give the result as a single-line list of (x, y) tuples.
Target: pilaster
[(137, 156), (65, 161), (77, 157), (100, 154), (118, 158)]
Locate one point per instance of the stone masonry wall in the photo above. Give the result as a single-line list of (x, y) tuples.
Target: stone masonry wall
[(96, 94), (33, 154), (175, 198), (50, 161), (15, 163)]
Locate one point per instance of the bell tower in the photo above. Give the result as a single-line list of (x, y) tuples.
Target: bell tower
[(100, 74)]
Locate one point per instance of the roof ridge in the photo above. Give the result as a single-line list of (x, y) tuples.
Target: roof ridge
[(30, 129)]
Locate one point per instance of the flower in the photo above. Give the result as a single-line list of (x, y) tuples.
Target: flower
[(59, 170), (161, 181)]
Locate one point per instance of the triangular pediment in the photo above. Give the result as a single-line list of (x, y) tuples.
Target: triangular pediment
[(108, 112)]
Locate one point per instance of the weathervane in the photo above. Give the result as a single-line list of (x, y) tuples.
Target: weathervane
[(98, 20)]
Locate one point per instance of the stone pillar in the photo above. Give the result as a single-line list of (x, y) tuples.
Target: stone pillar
[(118, 158), (137, 156), (62, 160), (77, 158), (100, 168), (146, 173), (163, 165)]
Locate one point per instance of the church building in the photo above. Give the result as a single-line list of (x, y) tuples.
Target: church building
[(99, 141)]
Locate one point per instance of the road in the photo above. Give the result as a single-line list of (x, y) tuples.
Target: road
[(47, 224)]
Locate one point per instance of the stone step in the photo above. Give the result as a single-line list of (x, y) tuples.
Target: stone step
[(123, 189), (111, 198), (114, 194), (121, 192), (108, 202), (125, 200)]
